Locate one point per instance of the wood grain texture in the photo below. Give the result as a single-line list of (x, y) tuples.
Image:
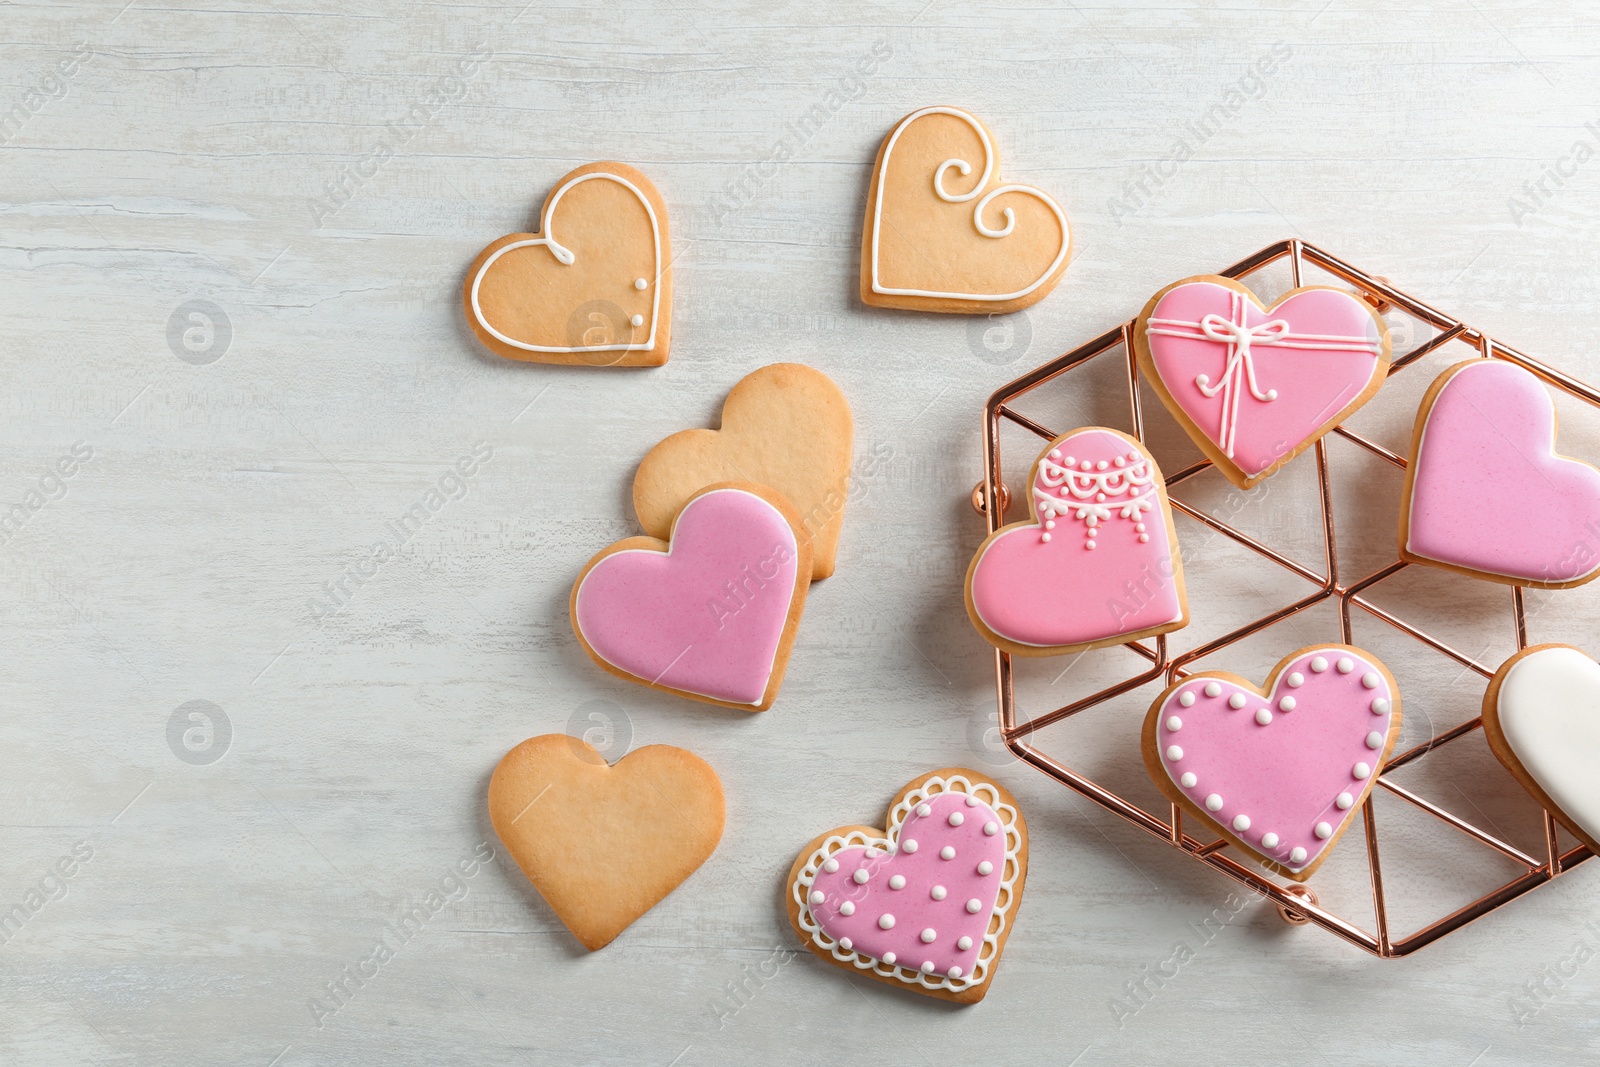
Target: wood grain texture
[(323, 173)]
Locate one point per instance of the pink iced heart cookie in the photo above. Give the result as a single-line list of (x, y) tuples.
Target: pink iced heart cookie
[(711, 614), (1281, 772), (930, 902), (1097, 564), (1486, 493), (1255, 386)]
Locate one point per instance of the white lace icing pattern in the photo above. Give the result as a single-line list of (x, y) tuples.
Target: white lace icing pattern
[(1093, 493)]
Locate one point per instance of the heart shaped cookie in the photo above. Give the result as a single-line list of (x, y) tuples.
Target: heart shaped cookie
[(786, 426), (1255, 386), (926, 903), (1541, 716), (1484, 450), (962, 242), (1280, 772), (710, 614), (1097, 565), (592, 288), (603, 844)]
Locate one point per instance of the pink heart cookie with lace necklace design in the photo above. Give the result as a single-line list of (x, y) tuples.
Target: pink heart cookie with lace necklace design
[(710, 615), (1098, 563), (1484, 450), (927, 903), (1280, 772), (1255, 386)]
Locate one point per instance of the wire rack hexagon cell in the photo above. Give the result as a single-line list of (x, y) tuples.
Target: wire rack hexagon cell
[(1327, 585)]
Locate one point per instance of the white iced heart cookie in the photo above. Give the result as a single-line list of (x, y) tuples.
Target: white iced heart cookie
[(944, 233), (1541, 716)]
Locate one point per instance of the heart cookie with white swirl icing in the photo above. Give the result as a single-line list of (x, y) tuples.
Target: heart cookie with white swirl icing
[(926, 903), (943, 232)]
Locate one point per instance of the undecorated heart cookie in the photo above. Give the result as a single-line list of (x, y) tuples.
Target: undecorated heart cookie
[(592, 288), (1541, 715), (1483, 451), (1096, 565), (709, 614), (1280, 772), (786, 426), (926, 903), (1255, 386), (944, 233), (603, 844)]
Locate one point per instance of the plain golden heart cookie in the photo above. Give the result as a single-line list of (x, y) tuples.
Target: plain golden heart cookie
[(785, 426), (603, 844), (592, 288), (944, 232)]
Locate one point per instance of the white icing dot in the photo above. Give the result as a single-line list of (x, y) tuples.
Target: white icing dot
[(847, 908), (1297, 855), (972, 802), (956, 818), (928, 936), (873, 852), (1370, 680), (1214, 802), (830, 865), (1044, 537), (990, 829), (1089, 545), (1174, 724), (1050, 524), (955, 972), (886, 921), (1296, 679), (1269, 840), (937, 892), (1287, 704), (947, 853), (637, 320), (1345, 665), (897, 882), (1380, 706), (1263, 716), (1318, 664), (1374, 740), (1188, 780), (860, 876), (1236, 701), (985, 868), (1174, 753), (1213, 689), (1186, 698), (962, 943), (817, 896), (1322, 830), (1241, 823), (1144, 539), (1362, 771), (924, 811), (1138, 527), (1055, 454), (927, 967), (1102, 465), (974, 906), (1343, 801), (889, 958), (639, 283), (846, 944)]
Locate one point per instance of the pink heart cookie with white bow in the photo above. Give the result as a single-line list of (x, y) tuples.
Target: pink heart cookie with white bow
[(1483, 451), (1255, 386), (1098, 563), (928, 902), (1280, 772), (710, 615)]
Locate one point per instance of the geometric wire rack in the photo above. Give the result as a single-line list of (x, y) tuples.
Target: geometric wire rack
[(1296, 903)]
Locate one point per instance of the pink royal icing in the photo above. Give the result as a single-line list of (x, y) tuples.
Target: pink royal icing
[(1261, 384), (706, 616), (1489, 494), (919, 900), (1285, 772), (1096, 562)]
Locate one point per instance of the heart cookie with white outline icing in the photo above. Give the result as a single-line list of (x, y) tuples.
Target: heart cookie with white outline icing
[(1541, 717), (926, 903), (944, 233), (1281, 772), (592, 288)]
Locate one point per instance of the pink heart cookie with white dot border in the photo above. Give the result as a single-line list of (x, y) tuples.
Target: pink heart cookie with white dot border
[(926, 903), (1283, 771)]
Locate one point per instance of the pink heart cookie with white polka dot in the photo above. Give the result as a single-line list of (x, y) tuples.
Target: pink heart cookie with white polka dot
[(1280, 772), (927, 903)]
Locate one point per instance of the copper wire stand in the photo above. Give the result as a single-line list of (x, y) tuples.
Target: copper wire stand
[(1296, 903)]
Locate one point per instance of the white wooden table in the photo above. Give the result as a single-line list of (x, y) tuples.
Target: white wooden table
[(319, 176)]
